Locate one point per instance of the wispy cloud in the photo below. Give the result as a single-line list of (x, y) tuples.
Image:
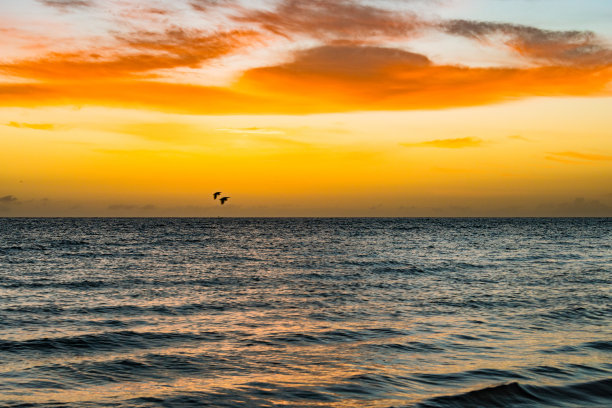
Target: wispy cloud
[(252, 130), (36, 126), (332, 20), (207, 5), (555, 47), (585, 156), (564, 161), (170, 97), (145, 52), (284, 143), (579, 207), (519, 137), (149, 153), (447, 170), (129, 207), (448, 143), (8, 199), (66, 5), (579, 157), (163, 131)]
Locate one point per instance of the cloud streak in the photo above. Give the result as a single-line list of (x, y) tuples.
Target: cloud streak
[(252, 131), (9, 199), (316, 82), (332, 20), (448, 143), (66, 5), (35, 126), (206, 5), (149, 51), (129, 207), (547, 46), (563, 156)]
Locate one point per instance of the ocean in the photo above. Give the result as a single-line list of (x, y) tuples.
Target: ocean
[(306, 312)]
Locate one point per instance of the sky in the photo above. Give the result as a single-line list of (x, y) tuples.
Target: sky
[(306, 108)]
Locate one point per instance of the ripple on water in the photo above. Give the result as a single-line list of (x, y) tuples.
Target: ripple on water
[(305, 312)]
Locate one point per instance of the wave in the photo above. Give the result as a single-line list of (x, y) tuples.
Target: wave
[(409, 347), (467, 376), (332, 336), (594, 393), (129, 282), (601, 345), (149, 367), (106, 341), (400, 270)]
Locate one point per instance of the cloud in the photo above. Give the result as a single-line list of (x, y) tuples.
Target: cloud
[(564, 161), (149, 153), (8, 199), (206, 5), (329, 78), (354, 61), (145, 52), (447, 170), (284, 143), (354, 22), (329, 20), (350, 77), (518, 137), (124, 207), (552, 47), (65, 5), (580, 157), (36, 126), (168, 97), (163, 132), (252, 130), (579, 207), (448, 143)]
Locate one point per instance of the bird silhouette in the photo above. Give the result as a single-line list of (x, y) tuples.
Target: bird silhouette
[(224, 199), (217, 194)]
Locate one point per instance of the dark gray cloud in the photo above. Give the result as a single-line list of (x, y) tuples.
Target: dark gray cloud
[(558, 47), (579, 207), (206, 5), (8, 199), (330, 20), (66, 5), (353, 61)]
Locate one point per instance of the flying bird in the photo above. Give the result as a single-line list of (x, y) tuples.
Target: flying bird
[(224, 199), (217, 194)]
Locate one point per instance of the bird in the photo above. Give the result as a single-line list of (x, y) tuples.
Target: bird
[(217, 194), (224, 199)]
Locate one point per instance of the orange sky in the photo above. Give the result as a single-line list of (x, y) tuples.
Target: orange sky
[(292, 108)]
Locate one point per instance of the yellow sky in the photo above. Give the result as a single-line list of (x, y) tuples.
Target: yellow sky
[(293, 118)]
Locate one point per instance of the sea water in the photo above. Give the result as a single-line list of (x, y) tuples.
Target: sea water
[(306, 312)]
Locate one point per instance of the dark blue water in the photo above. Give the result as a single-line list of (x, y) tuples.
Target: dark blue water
[(306, 312)]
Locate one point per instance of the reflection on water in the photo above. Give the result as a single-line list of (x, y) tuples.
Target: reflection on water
[(306, 312)]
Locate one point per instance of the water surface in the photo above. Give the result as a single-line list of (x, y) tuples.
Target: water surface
[(306, 312)]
